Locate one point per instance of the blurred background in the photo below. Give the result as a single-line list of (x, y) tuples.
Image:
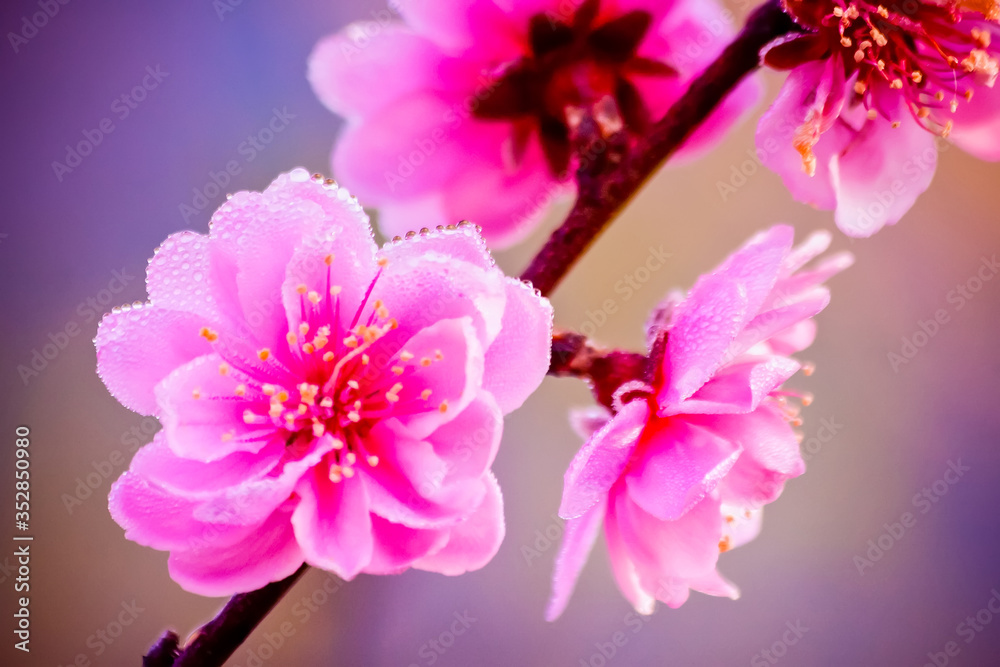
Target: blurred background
[(830, 581)]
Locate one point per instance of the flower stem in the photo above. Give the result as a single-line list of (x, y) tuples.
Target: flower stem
[(599, 199), (574, 356), (218, 639)]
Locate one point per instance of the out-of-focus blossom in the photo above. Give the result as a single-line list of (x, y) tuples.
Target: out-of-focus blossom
[(322, 401), (469, 109), (873, 89), (681, 471)]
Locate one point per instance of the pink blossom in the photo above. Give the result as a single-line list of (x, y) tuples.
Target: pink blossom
[(681, 471), (871, 93), (467, 111), (322, 401)]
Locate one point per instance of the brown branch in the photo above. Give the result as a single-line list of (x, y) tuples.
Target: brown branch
[(218, 639), (574, 356), (599, 199)]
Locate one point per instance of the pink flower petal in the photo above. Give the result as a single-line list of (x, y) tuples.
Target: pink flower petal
[(976, 128), (622, 565), (413, 146), (718, 307), (138, 347), (815, 245), (739, 387), (158, 464), (601, 460), (758, 263), (332, 524), (181, 277), (794, 339), (468, 443), (459, 243), (251, 501), (881, 175), (705, 326), (268, 554), (474, 542), (773, 321), (809, 88), (770, 455), (343, 219), (396, 546), (202, 416), (453, 372), (413, 486), (517, 200), (161, 519), (792, 288), (420, 292), (513, 369), (457, 25), (677, 465), (713, 583), (349, 274), (578, 540), (664, 551), (343, 66)]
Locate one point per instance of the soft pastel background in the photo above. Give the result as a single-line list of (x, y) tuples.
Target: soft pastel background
[(894, 430)]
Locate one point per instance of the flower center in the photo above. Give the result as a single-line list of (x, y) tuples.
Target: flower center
[(348, 382), (932, 53), (573, 69)]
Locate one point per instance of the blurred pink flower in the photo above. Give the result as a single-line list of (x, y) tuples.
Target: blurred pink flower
[(871, 93), (322, 401), (681, 471), (468, 110)]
